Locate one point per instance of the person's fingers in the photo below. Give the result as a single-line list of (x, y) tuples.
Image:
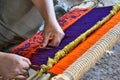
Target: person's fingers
[(24, 72), (18, 76), (55, 41), (19, 71), (21, 77), (46, 40), (27, 60), (25, 66)]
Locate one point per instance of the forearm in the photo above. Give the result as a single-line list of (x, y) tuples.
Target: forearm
[(46, 9)]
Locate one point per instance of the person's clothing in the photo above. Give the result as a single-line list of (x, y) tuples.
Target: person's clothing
[(19, 20)]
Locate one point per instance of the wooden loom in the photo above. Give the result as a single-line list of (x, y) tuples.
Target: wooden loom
[(86, 53)]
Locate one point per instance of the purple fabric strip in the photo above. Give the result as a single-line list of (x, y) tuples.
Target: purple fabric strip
[(72, 33)]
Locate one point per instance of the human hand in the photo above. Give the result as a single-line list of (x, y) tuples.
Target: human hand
[(53, 34), (13, 66), (52, 28)]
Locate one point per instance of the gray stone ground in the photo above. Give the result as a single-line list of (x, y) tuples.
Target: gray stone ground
[(107, 68)]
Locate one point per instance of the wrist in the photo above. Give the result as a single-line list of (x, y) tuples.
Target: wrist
[(50, 20)]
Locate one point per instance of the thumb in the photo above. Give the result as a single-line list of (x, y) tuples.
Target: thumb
[(27, 60), (46, 40)]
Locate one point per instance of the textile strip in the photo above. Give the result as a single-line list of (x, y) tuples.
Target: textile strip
[(31, 45)]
